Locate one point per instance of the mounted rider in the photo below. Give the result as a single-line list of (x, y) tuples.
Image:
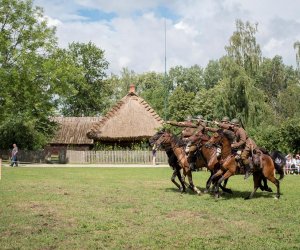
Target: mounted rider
[(195, 140), (191, 134), (189, 127), (244, 144), (224, 124)]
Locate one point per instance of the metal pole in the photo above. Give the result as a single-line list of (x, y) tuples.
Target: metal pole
[(165, 77)]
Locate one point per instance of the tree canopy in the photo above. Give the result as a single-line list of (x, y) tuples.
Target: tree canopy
[(39, 80)]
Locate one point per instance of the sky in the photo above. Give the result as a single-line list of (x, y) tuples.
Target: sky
[(132, 32)]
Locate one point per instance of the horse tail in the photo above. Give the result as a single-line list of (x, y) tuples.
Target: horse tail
[(279, 162), (279, 169)]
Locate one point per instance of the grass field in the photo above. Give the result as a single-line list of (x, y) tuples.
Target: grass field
[(139, 208)]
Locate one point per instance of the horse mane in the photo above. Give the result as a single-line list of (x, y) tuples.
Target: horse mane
[(228, 134), (178, 141)]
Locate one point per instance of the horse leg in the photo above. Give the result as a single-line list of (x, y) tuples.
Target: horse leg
[(207, 183), (181, 180), (224, 177), (265, 186), (191, 184), (276, 183), (224, 189), (219, 172), (257, 184), (175, 173)]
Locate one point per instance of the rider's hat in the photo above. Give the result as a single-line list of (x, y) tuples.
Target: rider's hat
[(225, 119), (235, 121)]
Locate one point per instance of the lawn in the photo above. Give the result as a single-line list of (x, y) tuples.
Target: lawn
[(139, 208)]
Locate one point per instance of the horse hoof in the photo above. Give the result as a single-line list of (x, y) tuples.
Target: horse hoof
[(276, 198), (205, 191), (269, 190)]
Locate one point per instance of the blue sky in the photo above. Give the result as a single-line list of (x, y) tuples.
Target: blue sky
[(132, 31)]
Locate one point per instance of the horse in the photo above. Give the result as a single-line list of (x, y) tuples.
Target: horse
[(264, 166), (229, 164), (228, 161), (177, 146), (172, 160), (207, 156)]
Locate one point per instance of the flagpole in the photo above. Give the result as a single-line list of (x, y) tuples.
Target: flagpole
[(165, 75)]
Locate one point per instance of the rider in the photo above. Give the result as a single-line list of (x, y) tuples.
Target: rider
[(224, 124), (243, 143), (194, 140), (189, 127)]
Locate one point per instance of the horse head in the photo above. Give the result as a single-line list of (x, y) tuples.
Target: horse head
[(163, 140), (215, 140)]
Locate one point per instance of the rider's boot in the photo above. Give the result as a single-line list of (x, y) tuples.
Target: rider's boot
[(248, 170)]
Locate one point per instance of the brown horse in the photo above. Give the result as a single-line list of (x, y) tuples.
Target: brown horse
[(228, 162), (172, 160), (207, 156), (264, 166), (230, 165), (177, 146)]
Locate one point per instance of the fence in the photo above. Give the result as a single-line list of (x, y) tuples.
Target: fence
[(86, 157), (113, 157)]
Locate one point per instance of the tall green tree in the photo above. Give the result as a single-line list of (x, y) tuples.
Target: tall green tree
[(243, 47), (181, 104), (151, 87), (212, 74), (237, 96), (27, 87), (190, 79), (297, 48), (92, 93)]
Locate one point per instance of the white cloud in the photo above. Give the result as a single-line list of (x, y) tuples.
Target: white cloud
[(134, 37)]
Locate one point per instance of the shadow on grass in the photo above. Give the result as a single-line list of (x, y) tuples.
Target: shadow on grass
[(225, 196)]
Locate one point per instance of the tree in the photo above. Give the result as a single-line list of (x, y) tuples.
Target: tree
[(236, 96), (297, 48), (27, 87), (92, 93), (289, 102), (181, 104), (151, 87), (190, 79), (243, 47), (212, 74)]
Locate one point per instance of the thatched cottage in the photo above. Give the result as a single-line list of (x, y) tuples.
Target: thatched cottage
[(71, 133), (131, 120)]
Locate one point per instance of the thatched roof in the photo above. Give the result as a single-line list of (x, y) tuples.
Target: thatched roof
[(130, 119), (72, 130)]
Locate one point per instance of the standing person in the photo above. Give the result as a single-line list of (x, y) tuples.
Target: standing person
[(14, 156), (153, 155)]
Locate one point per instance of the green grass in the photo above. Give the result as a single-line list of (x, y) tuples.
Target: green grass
[(139, 208)]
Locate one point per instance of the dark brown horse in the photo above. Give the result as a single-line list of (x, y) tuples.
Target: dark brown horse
[(172, 160), (177, 146), (264, 166)]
